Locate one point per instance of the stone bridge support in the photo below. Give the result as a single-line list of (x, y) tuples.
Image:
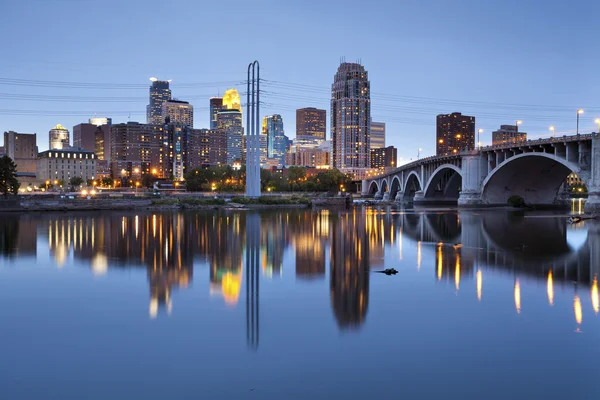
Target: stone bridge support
[(593, 202), (474, 170)]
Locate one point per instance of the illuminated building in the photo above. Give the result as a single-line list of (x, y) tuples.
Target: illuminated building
[(66, 164), (319, 157), (231, 122), (94, 138), (272, 127), (508, 134), (351, 117), (159, 94), (377, 135), (454, 133), (216, 105), (311, 126), (197, 149), (231, 100), (135, 146), (22, 148), (99, 121), (59, 138), (217, 147), (178, 112), (172, 151), (384, 157)]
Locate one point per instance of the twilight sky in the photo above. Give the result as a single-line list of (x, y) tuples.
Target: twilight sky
[(533, 60)]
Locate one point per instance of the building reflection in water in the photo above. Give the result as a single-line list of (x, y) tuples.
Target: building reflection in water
[(225, 240), (253, 250), (550, 288), (349, 269), (310, 234), (479, 284), (577, 311), (594, 295), (518, 296)]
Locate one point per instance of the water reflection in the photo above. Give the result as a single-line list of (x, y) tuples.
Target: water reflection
[(458, 248)]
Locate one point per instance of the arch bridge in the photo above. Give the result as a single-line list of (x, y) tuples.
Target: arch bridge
[(534, 170)]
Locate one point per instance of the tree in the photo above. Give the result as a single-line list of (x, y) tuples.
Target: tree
[(296, 175), (106, 182), (148, 180), (76, 181), (8, 176)]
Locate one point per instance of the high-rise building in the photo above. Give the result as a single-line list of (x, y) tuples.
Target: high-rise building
[(231, 100), (377, 135), (22, 148), (384, 157), (94, 138), (159, 93), (217, 150), (64, 164), (197, 149), (231, 122), (351, 117), (172, 151), (308, 157), (178, 112), (454, 133), (311, 126), (272, 127), (508, 134), (59, 138), (216, 105), (135, 146)]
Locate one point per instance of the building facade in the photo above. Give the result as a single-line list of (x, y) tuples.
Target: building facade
[(178, 112), (508, 134), (231, 122), (197, 149), (231, 100), (59, 138), (135, 146), (377, 135), (351, 117), (454, 133), (217, 151), (385, 157), (272, 128), (159, 93), (172, 151), (311, 126), (22, 148), (98, 121), (65, 164), (309, 157), (216, 105)]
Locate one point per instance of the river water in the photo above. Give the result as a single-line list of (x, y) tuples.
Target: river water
[(288, 305)]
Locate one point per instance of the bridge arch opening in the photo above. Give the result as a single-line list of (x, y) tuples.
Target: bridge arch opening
[(373, 188), (412, 185), (394, 187), (444, 185), (384, 186), (536, 177)]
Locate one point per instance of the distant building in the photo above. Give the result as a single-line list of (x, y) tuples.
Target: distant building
[(508, 134), (178, 112), (385, 157), (217, 147), (2, 151), (454, 133), (94, 138), (22, 148), (216, 105), (197, 149), (308, 157), (272, 127), (98, 121), (351, 117), (136, 146), (311, 126), (377, 135), (231, 122), (65, 164), (59, 138), (159, 93), (172, 151)]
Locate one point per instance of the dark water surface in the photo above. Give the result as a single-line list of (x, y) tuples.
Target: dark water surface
[(286, 305)]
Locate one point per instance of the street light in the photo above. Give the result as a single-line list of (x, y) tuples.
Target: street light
[(597, 120), (419, 153), (580, 111), (479, 131), (519, 122), (553, 130)]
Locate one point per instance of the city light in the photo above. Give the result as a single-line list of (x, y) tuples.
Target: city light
[(553, 130), (597, 121), (518, 296), (580, 111), (550, 288)]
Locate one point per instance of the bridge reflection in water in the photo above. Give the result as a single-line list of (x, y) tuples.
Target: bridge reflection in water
[(465, 246)]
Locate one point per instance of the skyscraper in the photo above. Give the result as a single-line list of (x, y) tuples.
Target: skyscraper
[(377, 135), (159, 93), (311, 126), (384, 157), (231, 122), (454, 133), (135, 145), (59, 138), (351, 117), (216, 105), (179, 112), (231, 100), (276, 139)]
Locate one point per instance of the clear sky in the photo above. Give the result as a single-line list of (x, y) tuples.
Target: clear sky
[(533, 60)]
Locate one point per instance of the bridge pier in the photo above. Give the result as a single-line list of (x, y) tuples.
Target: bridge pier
[(474, 169), (386, 196), (593, 202), (378, 195)]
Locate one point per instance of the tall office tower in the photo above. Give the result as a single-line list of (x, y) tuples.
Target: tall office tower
[(197, 148), (311, 126), (351, 117), (454, 133), (135, 146), (272, 127), (377, 135), (231, 100), (159, 93), (216, 105), (59, 138), (217, 147), (508, 134), (231, 122), (22, 148), (172, 151), (178, 112)]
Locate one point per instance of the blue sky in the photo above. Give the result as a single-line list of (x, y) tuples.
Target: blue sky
[(500, 61)]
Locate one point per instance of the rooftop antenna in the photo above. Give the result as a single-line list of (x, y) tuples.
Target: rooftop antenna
[(129, 117)]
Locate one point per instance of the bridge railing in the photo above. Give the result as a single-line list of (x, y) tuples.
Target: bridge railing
[(420, 161), (535, 142)]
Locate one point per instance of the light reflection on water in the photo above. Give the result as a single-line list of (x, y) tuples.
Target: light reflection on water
[(298, 279)]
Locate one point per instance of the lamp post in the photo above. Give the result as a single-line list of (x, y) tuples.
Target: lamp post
[(419, 153), (597, 121), (553, 130), (519, 122), (579, 112), (479, 131)]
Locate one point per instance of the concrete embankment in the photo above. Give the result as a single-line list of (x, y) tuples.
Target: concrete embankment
[(73, 204)]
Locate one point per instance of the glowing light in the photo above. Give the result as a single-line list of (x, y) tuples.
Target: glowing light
[(231, 285), (550, 288), (418, 256), (231, 100), (457, 272), (580, 111), (518, 296), (479, 284), (439, 261), (519, 122), (594, 294), (577, 310), (153, 79), (84, 192)]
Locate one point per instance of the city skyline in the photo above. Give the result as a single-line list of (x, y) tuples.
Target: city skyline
[(538, 89)]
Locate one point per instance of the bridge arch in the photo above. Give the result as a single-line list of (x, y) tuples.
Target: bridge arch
[(445, 183), (373, 188), (412, 184), (395, 187), (536, 177)]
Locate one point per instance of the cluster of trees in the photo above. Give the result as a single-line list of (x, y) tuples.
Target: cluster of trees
[(226, 179), (8, 176)]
